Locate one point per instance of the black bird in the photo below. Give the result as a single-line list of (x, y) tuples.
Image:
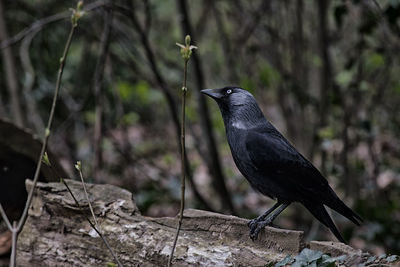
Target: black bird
[(272, 165)]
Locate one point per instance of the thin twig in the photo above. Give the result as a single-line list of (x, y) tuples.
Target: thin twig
[(90, 222), (186, 52), (99, 92), (79, 168), (14, 238), (32, 113), (5, 218), (48, 20)]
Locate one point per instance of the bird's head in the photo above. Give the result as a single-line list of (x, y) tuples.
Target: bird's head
[(235, 103), (230, 96)]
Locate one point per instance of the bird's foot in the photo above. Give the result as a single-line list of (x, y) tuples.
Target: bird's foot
[(256, 227), (251, 224)]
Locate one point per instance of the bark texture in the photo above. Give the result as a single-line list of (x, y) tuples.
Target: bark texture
[(56, 234)]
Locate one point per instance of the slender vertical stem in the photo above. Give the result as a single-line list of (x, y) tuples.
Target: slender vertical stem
[(183, 165), (183, 142), (14, 239)]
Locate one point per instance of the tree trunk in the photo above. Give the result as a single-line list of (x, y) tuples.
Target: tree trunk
[(10, 73)]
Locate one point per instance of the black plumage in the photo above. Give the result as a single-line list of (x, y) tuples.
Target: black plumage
[(272, 165)]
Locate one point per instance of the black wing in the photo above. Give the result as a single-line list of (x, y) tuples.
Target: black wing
[(275, 157), (277, 160)]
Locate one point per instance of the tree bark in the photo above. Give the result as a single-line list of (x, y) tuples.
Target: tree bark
[(56, 234), (10, 73), (99, 92)]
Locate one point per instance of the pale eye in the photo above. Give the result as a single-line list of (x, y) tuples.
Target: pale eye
[(229, 91)]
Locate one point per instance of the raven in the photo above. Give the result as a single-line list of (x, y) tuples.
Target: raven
[(272, 165)]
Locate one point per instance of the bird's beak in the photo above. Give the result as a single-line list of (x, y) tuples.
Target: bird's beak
[(214, 93)]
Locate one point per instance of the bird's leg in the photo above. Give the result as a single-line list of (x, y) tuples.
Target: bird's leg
[(255, 229), (252, 223)]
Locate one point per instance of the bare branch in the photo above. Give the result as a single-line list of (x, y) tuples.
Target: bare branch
[(10, 74), (39, 24), (32, 113), (98, 92)]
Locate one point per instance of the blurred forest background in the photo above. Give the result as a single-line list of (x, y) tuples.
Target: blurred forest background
[(326, 74)]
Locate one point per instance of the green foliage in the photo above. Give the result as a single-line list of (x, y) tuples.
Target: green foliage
[(392, 258), (125, 90), (327, 132), (396, 88), (374, 61), (138, 92), (310, 258), (247, 82), (287, 260), (344, 77), (268, 75), (380, 227)]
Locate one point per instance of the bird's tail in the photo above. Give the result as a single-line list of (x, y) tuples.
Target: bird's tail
[(319, 212), (337, 205)]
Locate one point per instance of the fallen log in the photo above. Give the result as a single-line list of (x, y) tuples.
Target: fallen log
[(57, 234)]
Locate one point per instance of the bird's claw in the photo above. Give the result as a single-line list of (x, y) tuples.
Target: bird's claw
[(252, 222), (256, 227)]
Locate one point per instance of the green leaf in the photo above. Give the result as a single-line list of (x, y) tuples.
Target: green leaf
[(298, 264), (326, 133), (382, 256), (344, 78), (90, 116), (130, 118), (287, 260), (125, 90), (370, 259), (374, 61), (328, 261), (316, 61), (308, 255), (247, 84), (268, 75), (142, 91), (396, 88), (392, 258)]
